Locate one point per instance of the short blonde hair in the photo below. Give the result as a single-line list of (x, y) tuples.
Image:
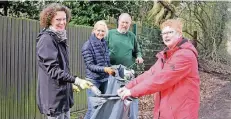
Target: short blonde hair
[(103, 23), (173, 23)]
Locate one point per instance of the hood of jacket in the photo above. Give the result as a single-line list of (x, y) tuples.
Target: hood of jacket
[(94, 39), (50, 32), (183, 44)]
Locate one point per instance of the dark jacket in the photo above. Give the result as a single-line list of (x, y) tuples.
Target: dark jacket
[(54, 89), (96, 56)]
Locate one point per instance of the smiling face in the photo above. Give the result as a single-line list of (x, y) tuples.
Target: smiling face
[(170, 36), (124, 23), (59, 21), (100, 31)]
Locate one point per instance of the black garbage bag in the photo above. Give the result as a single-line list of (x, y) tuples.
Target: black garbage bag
[(110, 105)]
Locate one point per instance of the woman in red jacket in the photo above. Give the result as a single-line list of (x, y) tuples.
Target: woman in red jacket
[(174, 78)]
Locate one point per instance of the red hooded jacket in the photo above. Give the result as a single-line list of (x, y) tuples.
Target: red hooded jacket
[(175, 80)]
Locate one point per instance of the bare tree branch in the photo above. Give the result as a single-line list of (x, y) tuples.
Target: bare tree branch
[(168, 8)]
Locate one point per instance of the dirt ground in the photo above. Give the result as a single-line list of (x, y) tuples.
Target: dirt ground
[(215, 93)]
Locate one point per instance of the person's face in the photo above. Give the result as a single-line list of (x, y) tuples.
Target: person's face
[(100, 32), (59, 21), (170, 36), (124, 24)]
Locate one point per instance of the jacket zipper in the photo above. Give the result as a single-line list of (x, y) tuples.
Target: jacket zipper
[(159, 107), (160, 92)]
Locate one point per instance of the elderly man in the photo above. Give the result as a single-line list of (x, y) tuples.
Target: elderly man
[(124, 49), (174, 78), (123, 46)]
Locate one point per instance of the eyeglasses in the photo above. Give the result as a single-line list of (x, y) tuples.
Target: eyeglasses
[(168, 32), (59, 20)]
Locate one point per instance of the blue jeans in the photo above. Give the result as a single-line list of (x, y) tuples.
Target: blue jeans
[(102, 86)]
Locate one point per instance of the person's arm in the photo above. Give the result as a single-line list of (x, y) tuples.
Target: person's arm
[(47, 56), (137, 49), (88, 58), (173, 72)]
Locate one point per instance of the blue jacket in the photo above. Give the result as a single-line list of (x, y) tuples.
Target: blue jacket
[(96, 56)]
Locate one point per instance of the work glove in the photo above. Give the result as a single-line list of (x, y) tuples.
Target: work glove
[(75, 88), (109, 70), (124, 93), (84, 84)]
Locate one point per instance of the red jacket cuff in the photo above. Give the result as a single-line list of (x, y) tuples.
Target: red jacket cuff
[(134, 93), (129, 86)]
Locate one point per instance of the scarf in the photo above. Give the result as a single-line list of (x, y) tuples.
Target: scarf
[(61, 34)]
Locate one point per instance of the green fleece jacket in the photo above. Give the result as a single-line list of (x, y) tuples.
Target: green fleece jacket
[(124, 48)]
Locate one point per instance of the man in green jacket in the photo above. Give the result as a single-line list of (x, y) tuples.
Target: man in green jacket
[(124, 49), (123, 46)]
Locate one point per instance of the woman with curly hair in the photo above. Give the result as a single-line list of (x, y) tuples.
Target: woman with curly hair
[(54, 90)]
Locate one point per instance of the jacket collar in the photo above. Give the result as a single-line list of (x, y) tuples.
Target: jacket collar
[(47, 31), (95, 40), (57, 38)]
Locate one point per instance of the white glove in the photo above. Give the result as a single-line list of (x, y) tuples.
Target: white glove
[(75, 88), (84, 84), (129, 74), (123, 93)]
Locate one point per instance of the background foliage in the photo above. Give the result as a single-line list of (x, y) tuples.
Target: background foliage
[(204, 22)]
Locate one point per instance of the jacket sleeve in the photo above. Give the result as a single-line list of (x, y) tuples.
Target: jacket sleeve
[(88, 58), (173, 72), (141, 77), (137, 49), (47, 55)]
